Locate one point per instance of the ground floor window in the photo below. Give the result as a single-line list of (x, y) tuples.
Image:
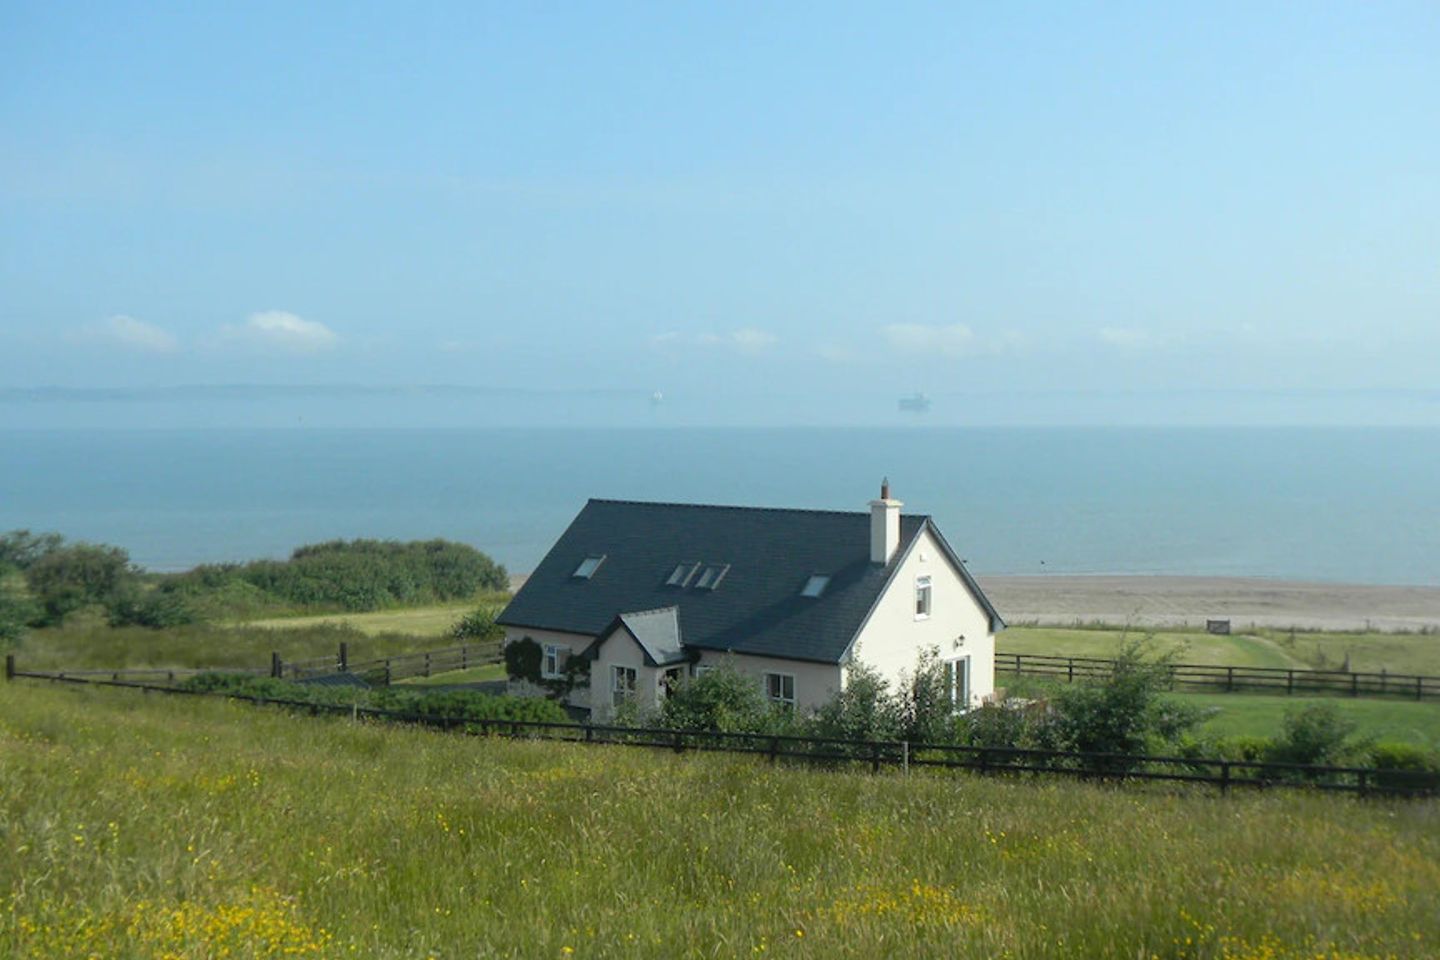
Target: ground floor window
[(670, 680), (623, 681), (780, 688), (957, 682), (551, 663)]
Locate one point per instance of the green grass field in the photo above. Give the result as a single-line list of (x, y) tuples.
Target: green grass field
[(1404, 721), (135, 826), (485, 674), (432, 621), (1368, 652)]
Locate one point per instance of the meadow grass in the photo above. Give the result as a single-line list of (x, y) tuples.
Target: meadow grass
[(134, 826), (1368, 652), (484, 674), (94, 646)]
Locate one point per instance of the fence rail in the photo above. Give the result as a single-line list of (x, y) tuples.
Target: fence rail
[(386, 670), (1339, 683), (994, 761)]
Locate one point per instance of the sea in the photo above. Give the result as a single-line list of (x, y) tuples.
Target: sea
[(1356, 505)]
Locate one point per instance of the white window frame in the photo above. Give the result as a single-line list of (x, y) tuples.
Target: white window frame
[(551, 662), (924, 591), (621, 691), (957, 681), (780, 697)]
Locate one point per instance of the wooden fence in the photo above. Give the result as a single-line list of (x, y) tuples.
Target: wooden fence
[(994, 761), (1199, 676)]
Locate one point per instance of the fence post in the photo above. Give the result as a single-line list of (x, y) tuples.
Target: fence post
[(344, 657), (464, 660), (875, 757), (679, 742), (774, 748), (1071, 678), (9, 666), (1224, 776), (1290, 681), (589, 733), (387, 673), (1230, 679), (1418, 687), (1364, 782), (1354, 684), (427, 663), (275, 666), (1017, 664)]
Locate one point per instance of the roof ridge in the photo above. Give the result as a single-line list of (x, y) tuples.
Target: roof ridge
[(641, 613), (732, 506)]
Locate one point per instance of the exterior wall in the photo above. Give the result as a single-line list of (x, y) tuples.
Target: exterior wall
[(892, 639), (622, 650), (575, 643), (814, 682)]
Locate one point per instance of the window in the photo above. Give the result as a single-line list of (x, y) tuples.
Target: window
[(623, 681), (587, 567), (712, 576), (681, 575), (780, 688), (550, 664), (922, 597), (815, 586), (670, 680), (957, 682), (702, 668)]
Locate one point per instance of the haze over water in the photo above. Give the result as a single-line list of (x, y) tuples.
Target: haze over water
[(1345, 505)]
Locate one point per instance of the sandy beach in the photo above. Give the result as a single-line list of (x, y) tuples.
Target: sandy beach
[(1176, 601)]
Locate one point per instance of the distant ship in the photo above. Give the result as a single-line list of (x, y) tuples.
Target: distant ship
[(915, 403), (657, 398)]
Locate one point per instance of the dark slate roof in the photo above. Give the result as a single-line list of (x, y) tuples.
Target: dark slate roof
[(757, 608), (657, 632)]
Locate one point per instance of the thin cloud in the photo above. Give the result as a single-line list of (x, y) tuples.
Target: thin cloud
[(1124, 336), (131, 334), (282, 331), (749, 340), (952, 340)]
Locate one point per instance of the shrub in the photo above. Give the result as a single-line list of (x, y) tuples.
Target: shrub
[(133, 606), (21, 549), (1316, 734), (864, 710), (924, 707), (1242, 746), (722, 699), (1126, 713), (478, 626), (1405, 766), (522, 660), (68, 578)]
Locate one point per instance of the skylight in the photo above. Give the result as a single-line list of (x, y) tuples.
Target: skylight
[(681, 575), (815, 585), (588, 566), (712, 576)]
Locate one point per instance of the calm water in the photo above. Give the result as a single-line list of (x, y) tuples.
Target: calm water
[(1330, 504)]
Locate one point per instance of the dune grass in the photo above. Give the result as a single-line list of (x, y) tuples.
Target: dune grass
[(135, 826), (1368, 652), (435, 620)]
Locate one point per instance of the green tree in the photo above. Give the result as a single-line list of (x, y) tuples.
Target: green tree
[(1317, 733), (864, 710), (21, 549)]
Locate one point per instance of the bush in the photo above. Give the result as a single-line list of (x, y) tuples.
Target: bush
[(1242, 746), (1315, 734), (864, 710), (21, 549), (1406, 766), (522, 660), (925, 710), (68, 578), (133, 606), (479, 626), (721, 699), (1126, 713)]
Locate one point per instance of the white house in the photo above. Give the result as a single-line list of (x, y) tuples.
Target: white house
[(651, 592)]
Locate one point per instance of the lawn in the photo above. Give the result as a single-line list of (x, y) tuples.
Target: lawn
[(135, 826), (1401, 720), (1368, 652)]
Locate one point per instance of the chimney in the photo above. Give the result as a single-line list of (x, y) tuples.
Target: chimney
[(884, 525)]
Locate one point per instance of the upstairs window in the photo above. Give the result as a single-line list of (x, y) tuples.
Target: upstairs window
[(815, 586), (922, 598), (587, 567), (681, 575), (712, 576)]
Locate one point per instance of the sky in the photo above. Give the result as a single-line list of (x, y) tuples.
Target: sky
[(766, 213)]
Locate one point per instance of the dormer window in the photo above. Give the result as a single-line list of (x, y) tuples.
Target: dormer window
[(587, 567), (681, 575), (815, 586), (712, 576)]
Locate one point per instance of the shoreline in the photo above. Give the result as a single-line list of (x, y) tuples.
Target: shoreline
[(1141, 600)]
